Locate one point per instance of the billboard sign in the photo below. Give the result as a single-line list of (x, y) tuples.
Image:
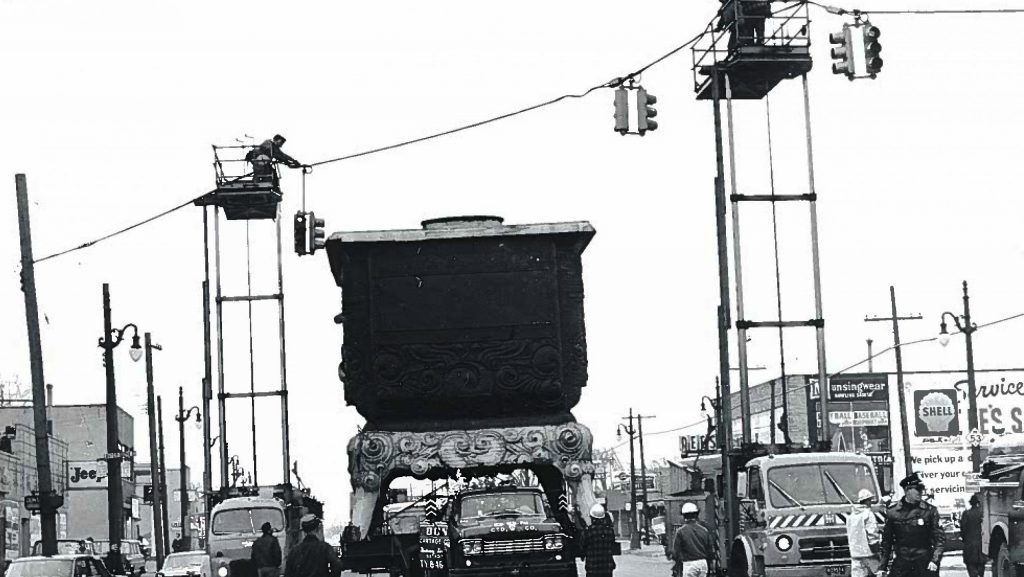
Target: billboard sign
[(936, 413), (866, 387)]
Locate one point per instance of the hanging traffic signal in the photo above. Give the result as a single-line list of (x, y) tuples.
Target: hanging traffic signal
[(644, 111), (872, 49), (301, 233), (621, 111), (316, 232), (842, 54)]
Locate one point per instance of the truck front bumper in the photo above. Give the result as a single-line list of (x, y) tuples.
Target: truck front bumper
[(520, 569), (838, 569)]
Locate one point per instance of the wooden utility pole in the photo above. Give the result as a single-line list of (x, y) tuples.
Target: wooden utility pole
[(47, 499), (163, 471), (643, 475), (904, 426), (154, 466)]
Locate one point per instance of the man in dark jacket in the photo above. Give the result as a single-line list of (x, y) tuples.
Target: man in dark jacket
[(692, 547), (970, 532), (262, 158), (312, 557), (266, 553), (599, 544), (912, 534)]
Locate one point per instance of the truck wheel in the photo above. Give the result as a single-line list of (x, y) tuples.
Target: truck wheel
[(1002, 566)]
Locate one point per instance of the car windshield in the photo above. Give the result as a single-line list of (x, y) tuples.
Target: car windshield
[(502, 504), (819, 484), (247, 520), (184, 561), (40, 568), (65, 548)]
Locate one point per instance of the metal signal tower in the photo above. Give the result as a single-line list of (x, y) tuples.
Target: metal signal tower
[(241, 196), (750, 47)]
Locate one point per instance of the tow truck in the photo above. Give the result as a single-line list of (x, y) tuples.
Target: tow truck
[(1001, 487)]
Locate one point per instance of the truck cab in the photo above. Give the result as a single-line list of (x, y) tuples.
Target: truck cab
[(507, 530), (234, 526), (792, 513), (1001, 488)]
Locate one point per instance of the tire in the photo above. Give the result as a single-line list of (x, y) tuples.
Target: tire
[(1002, 567)]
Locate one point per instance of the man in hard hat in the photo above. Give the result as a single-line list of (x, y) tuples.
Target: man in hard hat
[(861, 534), (312, 557), (262, 158), (693, 548), (599, 544), (912, 535)]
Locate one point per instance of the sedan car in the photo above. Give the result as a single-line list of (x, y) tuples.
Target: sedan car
[(186, 564), (57, 566)]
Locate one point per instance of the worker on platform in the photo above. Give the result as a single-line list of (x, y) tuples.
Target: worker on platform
[(970, 532), (598, 544), (312, 557), (266, 553), (912, 536), (263, 156), (861, 534), (693, 547), (745, 20)]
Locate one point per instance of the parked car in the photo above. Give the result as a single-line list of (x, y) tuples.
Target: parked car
[(186, 564), (69, 547), (131, 553), (58, 566)]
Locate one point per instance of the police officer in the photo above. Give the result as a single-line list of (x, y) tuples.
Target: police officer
[(912, 534), (312, 557)]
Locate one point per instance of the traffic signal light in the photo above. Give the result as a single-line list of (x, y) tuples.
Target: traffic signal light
[(316, 232), (842, 54), (872, 49), (644, 111), (621, 111), (301, 233)]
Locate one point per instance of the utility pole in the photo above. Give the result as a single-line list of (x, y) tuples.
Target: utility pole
[(182, 417), (904, 426), (871, 357), (643, 474), (154, 456), (207, 395), (163, 472), (967, 328), (47, 499), (634, 533)]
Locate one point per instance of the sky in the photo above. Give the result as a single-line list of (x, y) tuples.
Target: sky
[(110, 108)]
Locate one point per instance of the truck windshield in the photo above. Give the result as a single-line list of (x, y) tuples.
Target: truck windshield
[(819, 484), (40, 568), (501, 504), (247, 520)]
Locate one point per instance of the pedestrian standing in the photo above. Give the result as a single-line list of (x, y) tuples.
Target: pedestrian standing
[(970, 532), (312, 557), (692, 546), (599, 544), (912, 536), (861, 534), (266, 553)]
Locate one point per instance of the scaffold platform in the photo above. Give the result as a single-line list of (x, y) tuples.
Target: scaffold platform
[(242, 195)]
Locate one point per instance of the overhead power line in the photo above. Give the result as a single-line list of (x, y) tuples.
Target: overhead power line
[(843, 11), (610, 84)]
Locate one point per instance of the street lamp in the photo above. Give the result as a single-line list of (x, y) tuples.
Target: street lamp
[(964, 325), (182, 417), (634, 533), (114, 456)]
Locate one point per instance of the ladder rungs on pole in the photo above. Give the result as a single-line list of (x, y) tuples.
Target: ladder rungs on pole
[(772, 197), (272, 297), (819, 323), (252, 395)]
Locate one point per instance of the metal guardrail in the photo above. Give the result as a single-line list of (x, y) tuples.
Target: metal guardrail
[(738, 25)]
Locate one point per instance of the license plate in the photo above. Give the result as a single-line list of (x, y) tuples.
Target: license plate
[(836, 570)]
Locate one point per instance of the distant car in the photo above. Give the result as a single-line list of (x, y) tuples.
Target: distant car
[(58, 566), (131, 552), (186, 564), (69, 547)]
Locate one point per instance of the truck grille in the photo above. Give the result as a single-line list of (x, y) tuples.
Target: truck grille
[(818, 549), (513, 546)]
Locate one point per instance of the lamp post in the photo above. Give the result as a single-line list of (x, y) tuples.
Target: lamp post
[(634, 534), (115, 498), (154, 466), (712, 422), (963, 324), (181, 417)]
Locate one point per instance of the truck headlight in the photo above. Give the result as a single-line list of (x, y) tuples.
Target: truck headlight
[(554, 542), (784, 543), (222, 571), (472, 547)]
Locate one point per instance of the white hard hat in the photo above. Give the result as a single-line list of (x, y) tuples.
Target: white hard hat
[(864, 495), (689, 508), (597, 511)]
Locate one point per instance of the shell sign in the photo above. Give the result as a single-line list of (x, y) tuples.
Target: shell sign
[(936, 413)]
